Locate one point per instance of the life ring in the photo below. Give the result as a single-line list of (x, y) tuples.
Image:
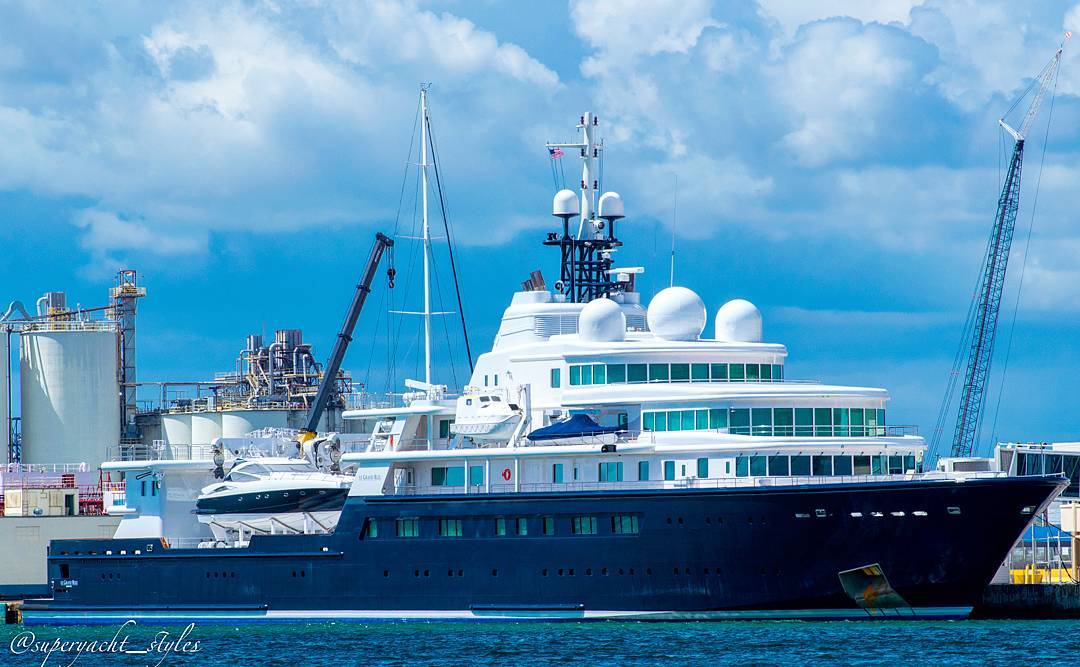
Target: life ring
[(506, 474)]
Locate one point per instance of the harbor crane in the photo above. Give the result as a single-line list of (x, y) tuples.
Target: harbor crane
[(344, 337), (981, 327)]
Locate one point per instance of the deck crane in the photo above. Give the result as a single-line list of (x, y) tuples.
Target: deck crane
[(983, 317), (344, 337)]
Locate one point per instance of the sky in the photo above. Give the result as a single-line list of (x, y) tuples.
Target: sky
[(838, 164)]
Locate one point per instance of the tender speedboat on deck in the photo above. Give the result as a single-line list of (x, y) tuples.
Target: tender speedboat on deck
[(272, 495)]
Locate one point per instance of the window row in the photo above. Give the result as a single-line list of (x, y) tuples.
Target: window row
[(803, 422), (621, 524), (822, 466), (588, 374)]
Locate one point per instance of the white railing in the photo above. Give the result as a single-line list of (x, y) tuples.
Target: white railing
[(686, 483), (159, 452)]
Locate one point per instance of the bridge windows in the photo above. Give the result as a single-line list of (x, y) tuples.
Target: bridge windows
[(590, 374), (556, 378)]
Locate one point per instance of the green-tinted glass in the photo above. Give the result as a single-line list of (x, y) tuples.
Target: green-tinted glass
[(674, 420), (778, 466), (661, 421), (575, 375), (701, 419), (718, 372), (586, 375), (658, 373), (688, 420), (699, 372), (599, 374), (647, 421), (636, 372), (736, 372), (718, 418), (616, 373), (766, 371), (680, 372), (753, 372)]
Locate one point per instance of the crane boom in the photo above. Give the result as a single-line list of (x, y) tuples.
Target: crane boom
[(344, 337), (983, 326)]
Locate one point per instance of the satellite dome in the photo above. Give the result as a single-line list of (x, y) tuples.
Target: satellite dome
[(602, 320), (565, 204), (611, 206), (738, 321), (677, 313)]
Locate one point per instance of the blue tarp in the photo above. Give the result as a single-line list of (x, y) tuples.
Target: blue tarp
[(577, 426), (1044, 533)]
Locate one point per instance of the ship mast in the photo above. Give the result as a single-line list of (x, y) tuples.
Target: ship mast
[(426, 242)]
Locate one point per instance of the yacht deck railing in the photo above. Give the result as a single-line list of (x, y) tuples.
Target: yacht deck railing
[(687, 483)]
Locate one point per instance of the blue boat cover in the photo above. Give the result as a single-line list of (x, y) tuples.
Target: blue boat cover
[(1044, 533), (577, 426)]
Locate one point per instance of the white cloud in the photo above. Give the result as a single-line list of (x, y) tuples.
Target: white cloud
[(839, 80), (792, 14), (240, 117)]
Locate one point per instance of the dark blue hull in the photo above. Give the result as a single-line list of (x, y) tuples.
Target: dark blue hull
[(766, 552)]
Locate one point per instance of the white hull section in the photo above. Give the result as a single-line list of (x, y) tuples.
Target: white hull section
[(225, 527)]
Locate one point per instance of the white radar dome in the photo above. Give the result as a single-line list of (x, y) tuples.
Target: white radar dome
[(676, 313), (611, 206), (565, 204), (602, 320), (738, 321)]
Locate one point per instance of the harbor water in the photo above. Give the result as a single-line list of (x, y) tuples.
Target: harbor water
[(599, 643)]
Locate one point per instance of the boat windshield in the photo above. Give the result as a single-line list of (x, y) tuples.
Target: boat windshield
[(289, 467)]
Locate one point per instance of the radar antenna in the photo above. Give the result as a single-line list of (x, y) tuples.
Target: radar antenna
[(587, 256)]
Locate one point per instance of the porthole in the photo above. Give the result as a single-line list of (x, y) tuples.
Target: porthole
[(956, 510), (386, 573)]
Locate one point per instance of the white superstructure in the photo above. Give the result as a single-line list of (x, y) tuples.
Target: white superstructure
[(584, 385)]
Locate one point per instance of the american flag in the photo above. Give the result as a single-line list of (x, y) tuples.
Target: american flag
[(556, 153)]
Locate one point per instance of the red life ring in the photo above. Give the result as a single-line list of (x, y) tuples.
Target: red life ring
[(506, 474)]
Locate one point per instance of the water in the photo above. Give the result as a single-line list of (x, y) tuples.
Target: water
[(599, 643)]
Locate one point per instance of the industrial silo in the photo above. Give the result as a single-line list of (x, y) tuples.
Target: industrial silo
[(238, 423), (205, 427), (70, 392), (5, 394)]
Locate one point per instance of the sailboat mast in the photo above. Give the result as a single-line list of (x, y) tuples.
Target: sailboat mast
[(426, 235), (426, 240)]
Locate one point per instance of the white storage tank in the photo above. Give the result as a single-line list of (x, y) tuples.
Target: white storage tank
[(205, 427), (176, 428), (70, 392), (238, 423)]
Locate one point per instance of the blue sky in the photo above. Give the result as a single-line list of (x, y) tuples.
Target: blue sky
[(838, 165)]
